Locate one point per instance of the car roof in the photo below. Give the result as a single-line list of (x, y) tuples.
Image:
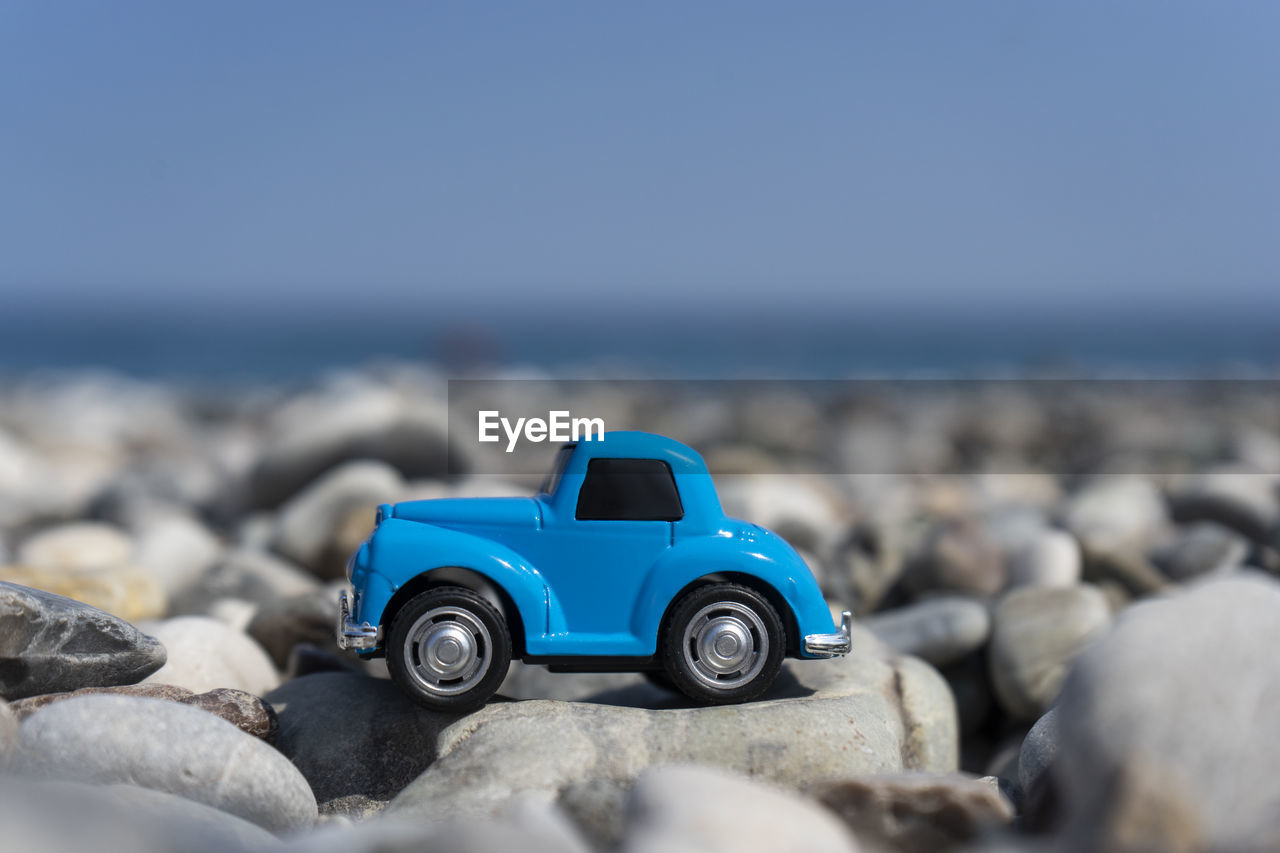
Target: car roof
[(633, 444)]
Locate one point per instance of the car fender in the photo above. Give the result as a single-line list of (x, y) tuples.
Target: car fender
[(778, 567), (401, 550)]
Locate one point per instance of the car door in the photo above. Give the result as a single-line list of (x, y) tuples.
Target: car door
[(597, 557)]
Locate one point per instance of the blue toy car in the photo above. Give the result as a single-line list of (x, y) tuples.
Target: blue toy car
[(623, 561)]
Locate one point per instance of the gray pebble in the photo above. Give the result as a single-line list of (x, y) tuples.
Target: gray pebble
[(917, 811), (872, 711), (1039, 748), (1169, 716), (307, 525), (8, 731), (939, 630), (1202, 548), (1050, 558), (50, 644), (699, 808), (70, 817), (386, 741), (1038, 632), (168, 747)]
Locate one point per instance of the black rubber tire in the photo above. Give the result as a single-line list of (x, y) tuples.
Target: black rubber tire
[(679, 668), (474, 604)]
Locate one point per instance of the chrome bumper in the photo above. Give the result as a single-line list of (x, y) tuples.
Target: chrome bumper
[(353, 635), (831, 645)]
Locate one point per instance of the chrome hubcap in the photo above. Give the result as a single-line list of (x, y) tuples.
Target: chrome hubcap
[(725, 645), (448, 650)]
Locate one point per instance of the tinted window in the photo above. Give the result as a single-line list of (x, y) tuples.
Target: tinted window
[(629, 490)]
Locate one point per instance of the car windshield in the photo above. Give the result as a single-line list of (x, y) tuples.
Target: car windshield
[(552, 480)]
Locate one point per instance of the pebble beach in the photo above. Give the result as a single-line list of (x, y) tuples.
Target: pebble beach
[(1066, 605)]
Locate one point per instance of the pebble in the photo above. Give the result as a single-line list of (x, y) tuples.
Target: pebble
[(1132, 570), (957, 557), (283, 623), (167, 747), (386, 741), (939, 630), (176, 550), (51, 644), (681, 808), (8, 731), (1037, 633), (352, 419), (1051, 558), (68, 817), (1116, 513), (1164, 724), (806, 511), (89, 562), (243, 710), (77, 547), (308, 524), (245, 573), (865, 567), (873, 711), (1241, 499), (917, 812), (205, 654), (535, 829), (1202, 548), (1039, 749)]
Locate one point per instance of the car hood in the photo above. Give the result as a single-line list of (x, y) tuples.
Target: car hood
[(470, 512)]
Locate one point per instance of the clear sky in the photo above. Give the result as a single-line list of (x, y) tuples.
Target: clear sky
[(899, 154)]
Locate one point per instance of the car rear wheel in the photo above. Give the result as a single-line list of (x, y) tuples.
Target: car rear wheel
[(449, 649), (723, 643)]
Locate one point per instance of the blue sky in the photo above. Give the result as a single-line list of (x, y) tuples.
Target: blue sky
[(487, 157)]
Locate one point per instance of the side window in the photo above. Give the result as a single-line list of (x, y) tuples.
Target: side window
[(629, 490)]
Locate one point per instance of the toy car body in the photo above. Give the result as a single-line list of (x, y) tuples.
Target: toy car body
[(624, 561)]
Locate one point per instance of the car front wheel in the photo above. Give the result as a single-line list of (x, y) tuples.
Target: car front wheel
[(723, 643), (449, 649)]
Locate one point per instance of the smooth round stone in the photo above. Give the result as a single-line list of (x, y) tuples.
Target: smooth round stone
[(1116, 513), (78, 546), (48, 817), (8, 731), (939, 630), (176, 549), (1050, 558), (806, 511), (1244, 500), (386, 741), (537, 828), (1202, 548), (243, 710), (1038, 633), (308, 524), (904, 811), (349, 420), (167, 747), (50, 644), (306, 619), (957, 557), (873, 711), (205, 654), (244, 573), (699, 808), (90, 562), (1039, 748), (1171, 714), (125, 591)]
